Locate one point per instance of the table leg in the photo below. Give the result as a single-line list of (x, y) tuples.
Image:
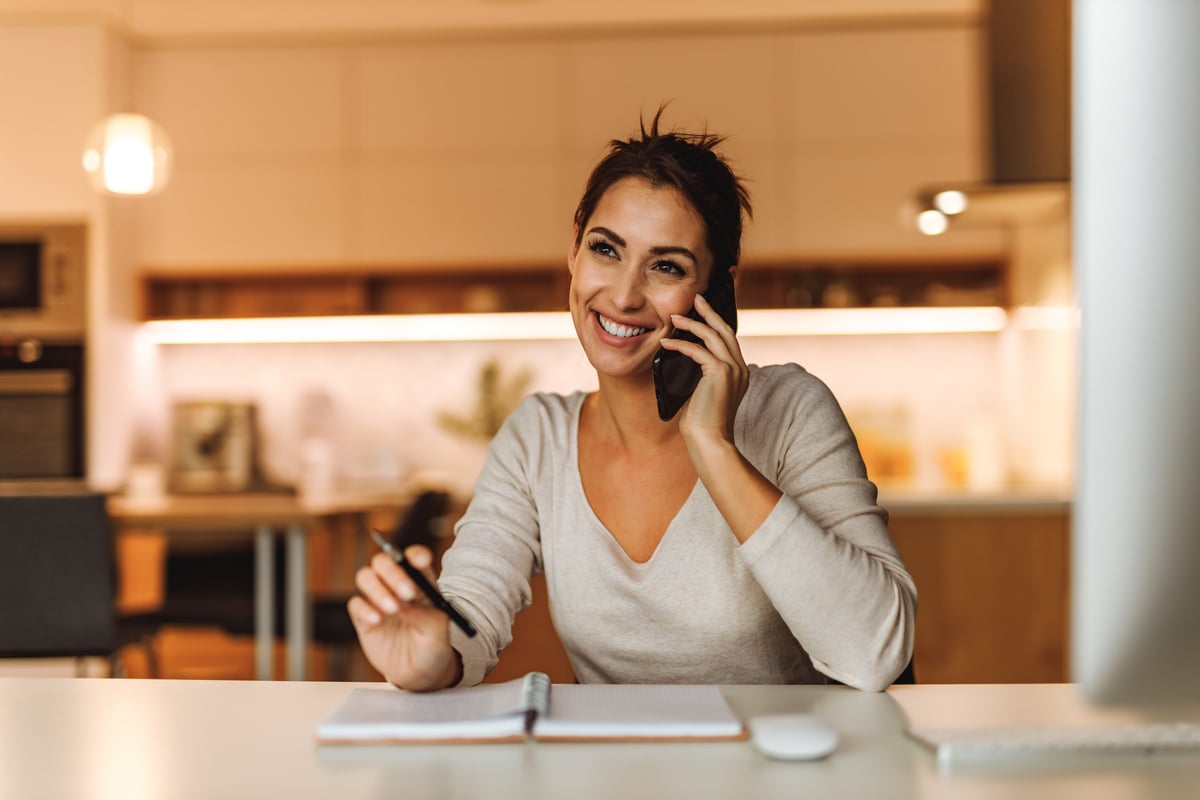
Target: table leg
[(264, 602), (297, 603), (362, 537)]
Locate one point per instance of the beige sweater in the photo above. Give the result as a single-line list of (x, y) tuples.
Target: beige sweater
[(818, 590)]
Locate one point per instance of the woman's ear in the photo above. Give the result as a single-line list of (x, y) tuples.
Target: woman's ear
[(573, 250)]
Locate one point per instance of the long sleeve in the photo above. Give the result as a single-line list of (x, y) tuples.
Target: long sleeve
[(497, 546), (823, 556)]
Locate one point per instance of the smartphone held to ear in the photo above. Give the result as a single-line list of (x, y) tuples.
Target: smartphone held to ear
[(676, 375)]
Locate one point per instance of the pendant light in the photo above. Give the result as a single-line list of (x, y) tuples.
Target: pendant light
[(128, 154)]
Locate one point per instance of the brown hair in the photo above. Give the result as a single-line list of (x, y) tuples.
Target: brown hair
[(687, 162)]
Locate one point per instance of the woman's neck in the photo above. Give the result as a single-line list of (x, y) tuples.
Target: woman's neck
[(625, 411)]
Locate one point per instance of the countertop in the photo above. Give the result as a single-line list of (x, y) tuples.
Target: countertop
[(1013, 500)]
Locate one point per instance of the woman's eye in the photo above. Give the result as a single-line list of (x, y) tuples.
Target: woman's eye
[(669, 267), (603, 248)]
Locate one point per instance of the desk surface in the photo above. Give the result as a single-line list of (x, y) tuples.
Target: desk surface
[(203, 739)]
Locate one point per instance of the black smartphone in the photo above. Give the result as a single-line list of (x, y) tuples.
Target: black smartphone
[(676, 375)]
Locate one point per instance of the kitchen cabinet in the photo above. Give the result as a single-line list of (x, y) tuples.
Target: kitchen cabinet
[(993, 590), (315, 291), (346, 155)]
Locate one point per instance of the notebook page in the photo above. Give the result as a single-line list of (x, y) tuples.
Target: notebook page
[(607, 711), (389, 714)]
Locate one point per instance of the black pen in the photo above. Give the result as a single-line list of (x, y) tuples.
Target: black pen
[(424, 585)]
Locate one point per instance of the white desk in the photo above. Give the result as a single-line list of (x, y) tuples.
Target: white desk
[(169, 740), (264, 516)]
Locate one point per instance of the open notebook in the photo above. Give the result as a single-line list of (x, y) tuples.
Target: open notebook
[(531, 707)]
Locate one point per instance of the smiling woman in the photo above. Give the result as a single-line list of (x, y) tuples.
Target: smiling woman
[(626, 286), (738, 541)]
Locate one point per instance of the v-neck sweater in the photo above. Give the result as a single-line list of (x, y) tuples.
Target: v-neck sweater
[(818, 592)]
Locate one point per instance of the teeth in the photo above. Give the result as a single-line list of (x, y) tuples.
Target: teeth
[(615, 329)]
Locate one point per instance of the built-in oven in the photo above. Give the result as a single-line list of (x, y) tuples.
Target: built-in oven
[(42, 334), (41, 410)]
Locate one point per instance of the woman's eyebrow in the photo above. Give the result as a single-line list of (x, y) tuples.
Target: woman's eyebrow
[(667, 250), (662, 250), (605, 232)]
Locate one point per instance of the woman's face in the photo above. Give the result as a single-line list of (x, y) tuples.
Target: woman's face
[(642, 258)]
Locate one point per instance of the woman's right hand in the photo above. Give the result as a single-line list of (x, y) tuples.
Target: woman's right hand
[(404, 637)]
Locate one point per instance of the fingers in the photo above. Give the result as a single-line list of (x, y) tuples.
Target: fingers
[(710, 315), (725, 375), (720, 344), (385, 588), (421, 558), (363, 614), (403, 635), (713, 329), (379, 584)]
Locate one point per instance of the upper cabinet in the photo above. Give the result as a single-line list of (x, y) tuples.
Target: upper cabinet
[(457, 164), (218, 293)]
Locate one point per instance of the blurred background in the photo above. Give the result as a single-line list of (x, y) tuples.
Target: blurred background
[(336, 163)]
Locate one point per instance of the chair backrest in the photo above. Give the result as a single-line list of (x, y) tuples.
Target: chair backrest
[(57, 576), (423, 521)]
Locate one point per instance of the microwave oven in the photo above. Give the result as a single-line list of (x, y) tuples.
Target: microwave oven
[(42, 275)]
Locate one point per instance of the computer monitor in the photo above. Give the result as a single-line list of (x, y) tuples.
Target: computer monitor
[(1136, 253)]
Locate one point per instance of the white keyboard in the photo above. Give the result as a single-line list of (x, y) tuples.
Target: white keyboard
[(962, 746)]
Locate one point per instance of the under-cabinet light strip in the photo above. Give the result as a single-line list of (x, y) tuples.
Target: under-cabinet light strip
[(557, 325)]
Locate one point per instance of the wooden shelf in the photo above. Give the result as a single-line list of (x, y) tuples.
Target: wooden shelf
[(330, 291)]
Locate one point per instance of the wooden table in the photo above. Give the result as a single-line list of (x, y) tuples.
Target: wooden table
[(176, 740), (262, 517)]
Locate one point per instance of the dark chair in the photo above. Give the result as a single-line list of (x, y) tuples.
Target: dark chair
[(422, 524), (908, 676), (58, 578)]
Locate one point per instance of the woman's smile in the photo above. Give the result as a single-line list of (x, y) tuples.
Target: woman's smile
[(614, 328)]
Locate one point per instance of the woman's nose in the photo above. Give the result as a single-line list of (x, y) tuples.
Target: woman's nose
[(628, 291)]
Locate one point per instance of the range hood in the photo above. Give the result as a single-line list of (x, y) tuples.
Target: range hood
[(1029, 126), (1029, 77)]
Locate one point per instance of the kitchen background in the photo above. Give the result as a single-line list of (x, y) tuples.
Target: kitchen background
[(334, 139), (460, 148)]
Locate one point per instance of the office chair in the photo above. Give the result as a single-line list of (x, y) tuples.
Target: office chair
[(58, 579), (907, 677), (422, 524)]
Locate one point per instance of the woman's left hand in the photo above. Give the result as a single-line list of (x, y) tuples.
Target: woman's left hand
[(741, 493), (708, 416)]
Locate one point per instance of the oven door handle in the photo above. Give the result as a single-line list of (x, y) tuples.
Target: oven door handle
[(42, 381)]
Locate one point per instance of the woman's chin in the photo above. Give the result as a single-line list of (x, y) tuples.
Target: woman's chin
[(624, 370)]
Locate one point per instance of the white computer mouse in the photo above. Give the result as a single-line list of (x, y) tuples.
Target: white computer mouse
[(794, 737)]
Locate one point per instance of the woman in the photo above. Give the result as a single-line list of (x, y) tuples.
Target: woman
[(739, 542)]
